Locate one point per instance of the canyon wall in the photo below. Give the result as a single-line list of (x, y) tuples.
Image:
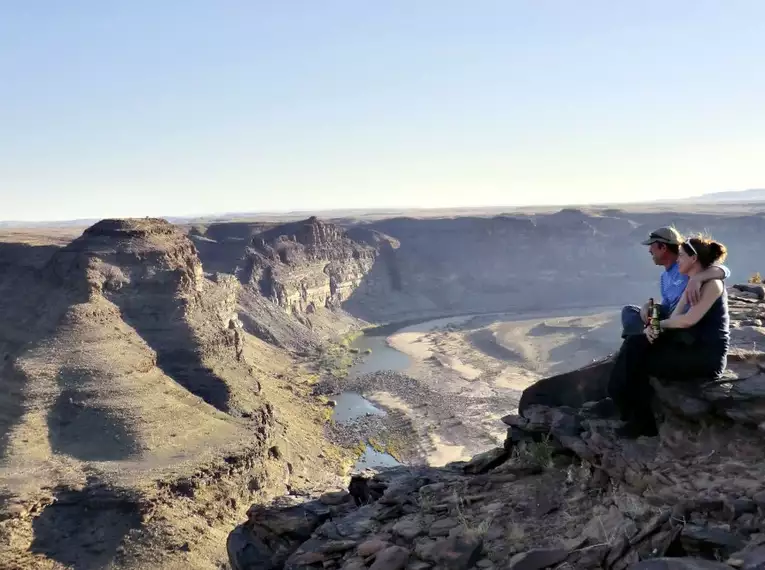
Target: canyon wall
[(405, 268)]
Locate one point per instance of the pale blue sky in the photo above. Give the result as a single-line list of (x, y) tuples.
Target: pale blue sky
[(178, 107)]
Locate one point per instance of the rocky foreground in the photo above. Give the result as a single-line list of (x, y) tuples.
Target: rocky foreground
[(563, 492)]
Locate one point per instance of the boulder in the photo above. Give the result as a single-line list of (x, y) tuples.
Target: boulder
[(538, 559), (572, 389), (460, 551), (755, 289), (749, 559), (392, 558), (741, 399), (273, 532), (486, 461), (710, 542)]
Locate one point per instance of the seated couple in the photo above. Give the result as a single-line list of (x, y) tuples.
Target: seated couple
[(694, 334)]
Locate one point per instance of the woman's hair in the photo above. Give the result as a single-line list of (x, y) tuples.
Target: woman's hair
[(706, 250)]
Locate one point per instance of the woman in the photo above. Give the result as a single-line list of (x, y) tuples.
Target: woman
[(692, 343)]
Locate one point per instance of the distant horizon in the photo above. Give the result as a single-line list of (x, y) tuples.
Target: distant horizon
[(498, 209)]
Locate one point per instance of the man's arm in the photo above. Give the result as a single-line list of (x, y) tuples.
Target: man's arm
[(709, 295), (715, 271)]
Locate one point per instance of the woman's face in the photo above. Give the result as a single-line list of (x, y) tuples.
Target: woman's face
[(685, 261)]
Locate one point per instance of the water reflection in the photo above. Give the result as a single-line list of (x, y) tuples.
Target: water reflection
[(381, 357), (372, 459), (351, 405)]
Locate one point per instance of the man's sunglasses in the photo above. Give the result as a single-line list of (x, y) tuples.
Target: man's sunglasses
[(656, 237)]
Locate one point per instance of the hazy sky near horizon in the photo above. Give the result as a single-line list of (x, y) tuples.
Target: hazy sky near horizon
[(184, 107)]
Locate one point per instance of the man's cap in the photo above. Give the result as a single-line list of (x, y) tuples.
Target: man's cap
[(664, 235)]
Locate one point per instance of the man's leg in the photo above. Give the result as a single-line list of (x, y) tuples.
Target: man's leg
[(632, 323), (622, 387)]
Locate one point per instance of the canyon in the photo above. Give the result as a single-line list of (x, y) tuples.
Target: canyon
[(158, 379)]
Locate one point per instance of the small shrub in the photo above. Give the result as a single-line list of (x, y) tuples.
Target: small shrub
[(535, 453), (756, 278)]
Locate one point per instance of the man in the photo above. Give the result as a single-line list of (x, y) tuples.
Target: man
[(664, 246)]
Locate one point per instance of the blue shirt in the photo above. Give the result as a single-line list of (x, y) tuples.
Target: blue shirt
[(673, 284)]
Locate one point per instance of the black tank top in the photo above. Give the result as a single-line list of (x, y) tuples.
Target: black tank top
[(713, 329)]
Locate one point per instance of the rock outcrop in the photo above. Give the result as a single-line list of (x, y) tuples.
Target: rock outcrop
[(563, 492), (394, 270), (114, 334), (126, 391), (307, 265)]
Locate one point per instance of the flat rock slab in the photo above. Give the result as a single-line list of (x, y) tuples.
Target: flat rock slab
[(538, 559), (392, 558)]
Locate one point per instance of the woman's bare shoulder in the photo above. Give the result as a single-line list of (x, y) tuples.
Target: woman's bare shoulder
[(714, 286)]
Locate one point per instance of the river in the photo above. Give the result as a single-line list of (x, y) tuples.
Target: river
[(378, 355)]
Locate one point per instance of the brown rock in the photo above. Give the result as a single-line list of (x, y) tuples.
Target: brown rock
[(441, 527), (409, 527), (335, 497), (392, 558), (537, 559), (589, 557), (484, 462), (308, 558), (603, 527), (371, 546), (460, 551), (651, 527), (749, 559), (354, 564), (708, 541), (515, 420), (427, 549), (334, 546)]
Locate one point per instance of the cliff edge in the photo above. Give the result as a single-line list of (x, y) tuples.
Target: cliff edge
[(563, 492)]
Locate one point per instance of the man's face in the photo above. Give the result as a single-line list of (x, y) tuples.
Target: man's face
[(658, 252)]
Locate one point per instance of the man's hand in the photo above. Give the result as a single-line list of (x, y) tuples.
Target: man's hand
[(650, 334), (693, 290)]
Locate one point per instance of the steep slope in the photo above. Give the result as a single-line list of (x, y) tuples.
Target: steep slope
[(123, 373), (128, 333)]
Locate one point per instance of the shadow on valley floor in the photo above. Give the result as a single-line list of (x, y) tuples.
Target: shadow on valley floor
[(483, 340), (23, 315), (161, 325), (82, 529), (80, 428), (12, 400), (25, 255)]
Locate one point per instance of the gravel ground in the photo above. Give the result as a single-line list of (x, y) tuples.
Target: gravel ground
[(429, 418)]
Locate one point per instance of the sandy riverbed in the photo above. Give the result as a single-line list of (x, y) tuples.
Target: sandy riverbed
[(465, 373)]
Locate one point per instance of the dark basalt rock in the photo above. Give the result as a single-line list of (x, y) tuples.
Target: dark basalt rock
[(573, 389)]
